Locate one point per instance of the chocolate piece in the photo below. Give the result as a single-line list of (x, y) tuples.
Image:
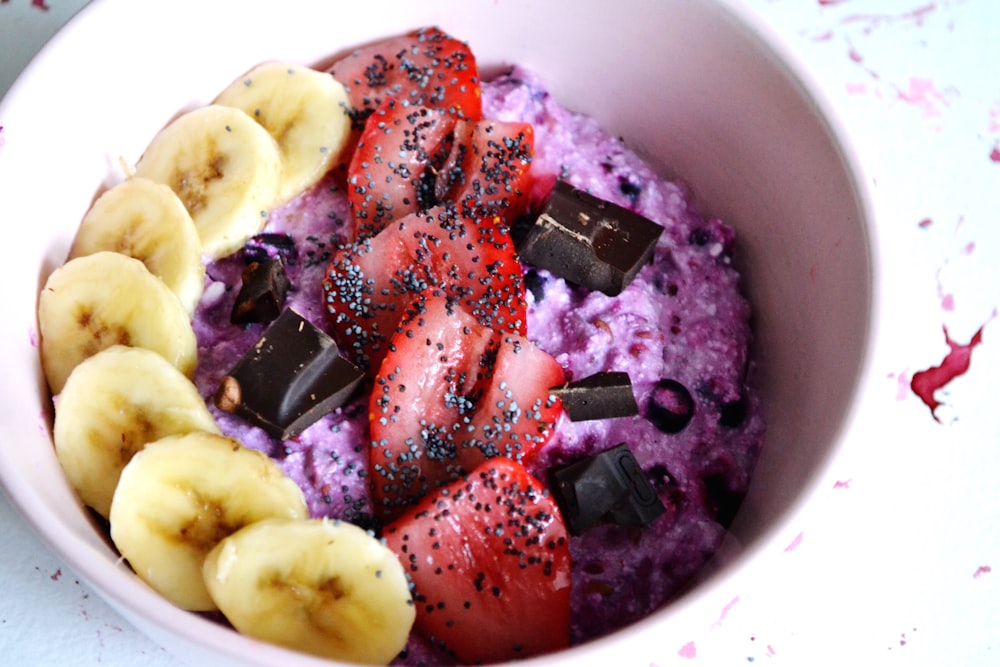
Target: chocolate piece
[(600, 396), (265, 286), (589, 241), (609, 488), (292, 376)]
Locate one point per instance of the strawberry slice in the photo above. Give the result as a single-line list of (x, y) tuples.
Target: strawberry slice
[(451, 394), (428, 385), (367, 287), (410, 158), (426, 67), (370, 283), (517, 411), (490, 563), (391, 173), (474, 262), (488, 170)]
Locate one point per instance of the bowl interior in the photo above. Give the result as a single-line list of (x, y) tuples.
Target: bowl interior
[(693, 85)]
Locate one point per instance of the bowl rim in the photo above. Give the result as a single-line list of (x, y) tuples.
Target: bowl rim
[(132, 598)]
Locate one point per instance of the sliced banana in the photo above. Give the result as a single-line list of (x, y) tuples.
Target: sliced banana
[(147, 221), (99, 300), (306, 111), (112, 405), (224, 167), (180, 495), (319, 586)]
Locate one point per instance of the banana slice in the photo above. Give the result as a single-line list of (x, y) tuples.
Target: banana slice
[(225, 168), (323, 587), (147, 221), (306, 111), (99, 300), (112, 405), (180, 495)]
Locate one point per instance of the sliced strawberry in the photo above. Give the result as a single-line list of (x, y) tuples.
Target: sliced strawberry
[(427, 387), (426, 67), (391, 173), (488, 171), (474, 262), (368, 285), (450, 394), (370, 282), (517, 410), (490, 563)]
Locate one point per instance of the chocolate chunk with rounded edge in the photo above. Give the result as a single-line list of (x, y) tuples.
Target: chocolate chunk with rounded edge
[(293, 375), (589, 241), (599, 396), (262, 294), (609, 488)]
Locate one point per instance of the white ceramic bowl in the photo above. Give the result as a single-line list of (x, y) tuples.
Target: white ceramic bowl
[(699, 87)]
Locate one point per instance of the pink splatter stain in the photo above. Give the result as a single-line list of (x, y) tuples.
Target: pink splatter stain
[(688, 651), (902, 384), (725, 611), (924, 95), (994, 154), (55, 575), (37, 4), (994, 124), (925, 383), (981, 570), (842, 484), (925, 223), (794, 544), (916, 16), (947, 299)]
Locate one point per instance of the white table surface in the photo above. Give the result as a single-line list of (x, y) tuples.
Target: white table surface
[(898, 562)]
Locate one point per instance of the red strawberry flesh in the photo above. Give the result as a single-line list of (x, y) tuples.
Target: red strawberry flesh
[(370, 283), (451, 394), (391, 173), (490, 564), (426, 67)]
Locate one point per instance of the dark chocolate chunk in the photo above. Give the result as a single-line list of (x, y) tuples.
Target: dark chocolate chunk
[(589, 241), (609, 488), (600, 396), (262, 295), (670, 406), (293, 375)]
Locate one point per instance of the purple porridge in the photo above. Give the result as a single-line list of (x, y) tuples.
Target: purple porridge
[(680, 330)]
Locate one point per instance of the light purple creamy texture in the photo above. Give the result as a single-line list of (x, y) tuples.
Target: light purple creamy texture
[(683, 319)]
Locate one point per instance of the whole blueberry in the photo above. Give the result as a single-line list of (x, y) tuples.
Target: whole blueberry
[(670, 406)]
